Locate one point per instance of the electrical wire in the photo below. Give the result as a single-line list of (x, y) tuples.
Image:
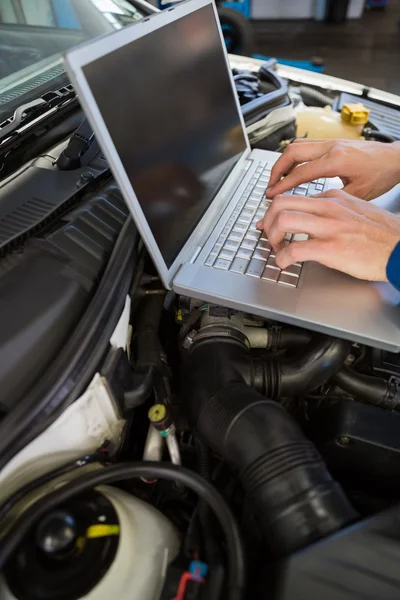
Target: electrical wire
[(123, 471)]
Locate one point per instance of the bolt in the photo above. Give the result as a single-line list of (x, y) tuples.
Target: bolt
[(349, 360), (344, 440)]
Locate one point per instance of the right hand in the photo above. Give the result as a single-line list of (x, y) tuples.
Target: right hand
[(345, 233), (367, 169)]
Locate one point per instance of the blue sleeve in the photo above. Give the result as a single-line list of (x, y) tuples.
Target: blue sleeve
[(393, 268)]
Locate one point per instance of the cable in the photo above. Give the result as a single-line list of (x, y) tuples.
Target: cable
[(378, 136), (23, 491), (234, 544)]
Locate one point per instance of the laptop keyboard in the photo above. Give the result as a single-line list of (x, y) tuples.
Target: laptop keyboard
[(243, 249)]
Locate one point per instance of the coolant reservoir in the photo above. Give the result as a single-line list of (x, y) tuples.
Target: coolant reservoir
[(145, 542), (326, 124)]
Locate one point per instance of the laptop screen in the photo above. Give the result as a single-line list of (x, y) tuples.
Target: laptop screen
[(167, 101)]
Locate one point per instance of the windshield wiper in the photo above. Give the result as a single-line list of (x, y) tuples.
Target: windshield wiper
[(32, 113)]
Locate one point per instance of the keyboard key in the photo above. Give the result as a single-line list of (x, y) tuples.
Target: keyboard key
[(321, 181), (227, 254), (235, 235), (288, 237), (216, 249), (210, 260), (263, 244), (320, 187), (299, 237), (253, 235), (246, 243), (255, 268), (223, 264), (303, 185), (263, 179), (263, 237), (261, 254), (225, 230), (239, 265), (270, 274), (245, 253), (239, 227), (286, 279), (231, 244), (252, 204), (312, 189), (271, 262), (293, 270), (300, 192), (244, 219)]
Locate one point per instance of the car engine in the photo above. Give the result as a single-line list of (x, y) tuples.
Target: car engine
[(155, 446)]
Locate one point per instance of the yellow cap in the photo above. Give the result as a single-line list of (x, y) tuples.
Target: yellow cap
[(355, 114), (157, 413)]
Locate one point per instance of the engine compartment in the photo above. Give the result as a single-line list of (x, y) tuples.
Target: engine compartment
[(237, 457)]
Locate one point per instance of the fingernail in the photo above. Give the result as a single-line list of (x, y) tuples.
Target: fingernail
[(269, 192), (259, 224)]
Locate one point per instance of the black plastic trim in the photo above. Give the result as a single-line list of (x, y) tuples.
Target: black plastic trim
[(73, 368)]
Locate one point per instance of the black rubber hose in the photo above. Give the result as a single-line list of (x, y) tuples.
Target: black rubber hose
[(234, 545), (378, 136), (287, 337), (369, 389), (312, 97), (317, 362), (294, 496)]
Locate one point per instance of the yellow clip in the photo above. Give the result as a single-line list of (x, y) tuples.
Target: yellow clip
[(355, 114), (157, 413), (98, 531), (179, 315)]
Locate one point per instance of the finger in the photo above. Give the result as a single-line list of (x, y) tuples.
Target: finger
[(296, 154), (312, 249), (315, 169), (297, 222), (312, 205)]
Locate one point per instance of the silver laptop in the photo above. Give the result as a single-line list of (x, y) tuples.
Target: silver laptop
[(160, 97)]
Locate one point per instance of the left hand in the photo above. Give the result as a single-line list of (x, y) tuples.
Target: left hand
[(345, 233)]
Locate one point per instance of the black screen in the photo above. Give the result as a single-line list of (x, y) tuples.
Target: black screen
[(168, 104)]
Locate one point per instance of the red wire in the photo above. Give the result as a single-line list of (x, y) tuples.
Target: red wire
[(183, 583)]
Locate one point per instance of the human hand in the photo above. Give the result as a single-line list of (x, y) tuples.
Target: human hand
[(367, 169), (345, 233)]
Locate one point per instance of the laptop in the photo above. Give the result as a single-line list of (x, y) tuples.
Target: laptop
[(160, 97)]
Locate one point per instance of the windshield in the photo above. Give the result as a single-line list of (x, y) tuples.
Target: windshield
[(34, 34)]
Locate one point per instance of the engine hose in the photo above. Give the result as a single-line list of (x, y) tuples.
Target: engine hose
[(378, 136), (294, 497), (287, 337), (319, 360), (369, 389), (312, 97)]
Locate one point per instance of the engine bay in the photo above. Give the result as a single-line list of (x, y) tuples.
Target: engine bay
[(193, 451)]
